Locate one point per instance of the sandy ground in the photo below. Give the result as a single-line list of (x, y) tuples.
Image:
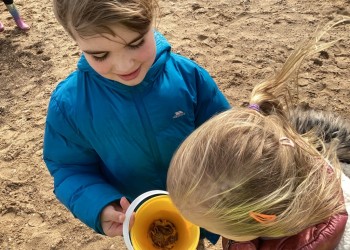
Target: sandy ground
[(240, 42)]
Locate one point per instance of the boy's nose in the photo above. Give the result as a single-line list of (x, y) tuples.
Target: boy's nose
[(124, 65)]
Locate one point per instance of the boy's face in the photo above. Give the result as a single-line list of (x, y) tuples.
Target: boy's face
[(125, 58)]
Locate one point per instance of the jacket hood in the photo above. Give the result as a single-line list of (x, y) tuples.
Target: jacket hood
[(163, 49)]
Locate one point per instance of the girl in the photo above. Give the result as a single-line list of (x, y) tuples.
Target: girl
[(11, 7), (113, 124), (262, 181)]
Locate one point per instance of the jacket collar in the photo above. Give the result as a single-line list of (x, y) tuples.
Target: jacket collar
[(325, 236)]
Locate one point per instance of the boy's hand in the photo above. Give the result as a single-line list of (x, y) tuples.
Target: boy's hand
[(113, 216)]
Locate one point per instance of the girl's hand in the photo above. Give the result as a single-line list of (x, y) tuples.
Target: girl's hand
[(113, 216)]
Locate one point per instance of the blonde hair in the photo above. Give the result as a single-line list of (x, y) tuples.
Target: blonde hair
[(235, 164), (90, 17)]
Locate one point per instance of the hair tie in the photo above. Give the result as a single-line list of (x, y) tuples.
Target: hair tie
[(254, 106), (286, 141), (262, 218)]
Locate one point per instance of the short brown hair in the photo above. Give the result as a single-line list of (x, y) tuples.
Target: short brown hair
[(90, 17)]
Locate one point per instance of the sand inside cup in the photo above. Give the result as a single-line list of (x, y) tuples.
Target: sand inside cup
[(163, 234)]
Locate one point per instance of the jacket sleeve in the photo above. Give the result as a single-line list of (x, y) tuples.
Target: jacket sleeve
[(210, 99), (78, 182)]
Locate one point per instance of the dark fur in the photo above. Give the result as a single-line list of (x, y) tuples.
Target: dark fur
[(328, 127)]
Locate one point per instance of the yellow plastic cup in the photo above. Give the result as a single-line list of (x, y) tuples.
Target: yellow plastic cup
[(158, 207)]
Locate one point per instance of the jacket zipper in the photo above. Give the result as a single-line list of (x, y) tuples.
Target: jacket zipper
[(148, 129)]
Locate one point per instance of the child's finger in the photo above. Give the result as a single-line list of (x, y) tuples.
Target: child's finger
[(132, 220), (120, 218), (124, 203)]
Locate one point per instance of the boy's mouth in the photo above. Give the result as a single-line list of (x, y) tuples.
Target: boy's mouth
[(131, 76)]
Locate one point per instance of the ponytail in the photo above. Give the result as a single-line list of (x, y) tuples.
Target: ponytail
[(273, 94)]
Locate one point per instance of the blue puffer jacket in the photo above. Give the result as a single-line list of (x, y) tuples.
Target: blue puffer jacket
[(104, 140)]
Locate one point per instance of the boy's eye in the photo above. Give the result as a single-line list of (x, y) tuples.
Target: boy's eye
[(137, 44), (100, 57)]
